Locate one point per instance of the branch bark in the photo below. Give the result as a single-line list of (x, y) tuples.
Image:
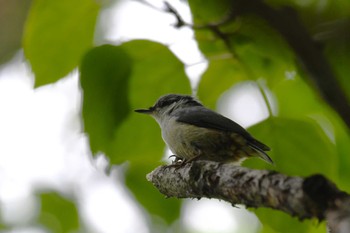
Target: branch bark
[(311, 197)]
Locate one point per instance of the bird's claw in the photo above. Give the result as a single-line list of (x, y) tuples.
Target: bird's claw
[(177, 162)]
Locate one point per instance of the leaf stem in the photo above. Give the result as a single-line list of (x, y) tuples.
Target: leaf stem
[(266, 99)]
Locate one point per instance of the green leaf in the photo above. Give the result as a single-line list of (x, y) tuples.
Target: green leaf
[(58, 214), (261, 50), (210, 12), (314, 13), (57, 34), (105, 73), (155, 202), (342, 142), (256, 50), (298, 147), (338, 53), (2, 225), (252, 50), (296, 99), (220, 76), (279, 221)]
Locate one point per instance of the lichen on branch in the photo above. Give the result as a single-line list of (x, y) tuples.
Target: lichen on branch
[(311, 197)]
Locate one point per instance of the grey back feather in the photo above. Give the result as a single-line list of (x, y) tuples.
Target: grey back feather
[(206, 118)]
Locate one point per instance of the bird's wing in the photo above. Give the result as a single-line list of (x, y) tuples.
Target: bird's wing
[(206, 118)]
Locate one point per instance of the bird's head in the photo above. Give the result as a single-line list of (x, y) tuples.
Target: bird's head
[(166, 104)]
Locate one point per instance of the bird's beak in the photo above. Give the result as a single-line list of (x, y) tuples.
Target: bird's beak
[(145, 111)]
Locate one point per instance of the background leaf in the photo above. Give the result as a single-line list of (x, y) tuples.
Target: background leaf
[(218, 78), (338, 50), (57, 34), (58, 214), (290, 141), (104, 76), (281, 222), (156, 203)]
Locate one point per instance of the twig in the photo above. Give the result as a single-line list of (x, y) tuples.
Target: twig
[(172, 10), (214, 26)]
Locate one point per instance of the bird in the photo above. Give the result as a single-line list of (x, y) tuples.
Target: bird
[(192, 131)]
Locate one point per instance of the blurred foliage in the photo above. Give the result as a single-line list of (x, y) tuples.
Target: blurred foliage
[(278, 222), (105, 73), (337, 49), (2, 224), (56, 35), (289, 139), (58, 214), (305, 134)]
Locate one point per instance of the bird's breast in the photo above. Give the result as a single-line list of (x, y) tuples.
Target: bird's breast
[(188, 141)]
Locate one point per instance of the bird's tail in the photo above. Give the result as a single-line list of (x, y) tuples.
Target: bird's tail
[(260, 148)]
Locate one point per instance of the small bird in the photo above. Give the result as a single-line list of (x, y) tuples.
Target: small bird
[(192, 131)]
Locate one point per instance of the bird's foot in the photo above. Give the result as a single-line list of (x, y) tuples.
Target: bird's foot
[(177, 162)]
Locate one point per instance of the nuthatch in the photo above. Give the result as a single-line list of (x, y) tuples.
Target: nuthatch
[(193, 131)]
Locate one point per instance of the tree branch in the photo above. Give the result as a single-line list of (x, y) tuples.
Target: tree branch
[(311, 197)]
